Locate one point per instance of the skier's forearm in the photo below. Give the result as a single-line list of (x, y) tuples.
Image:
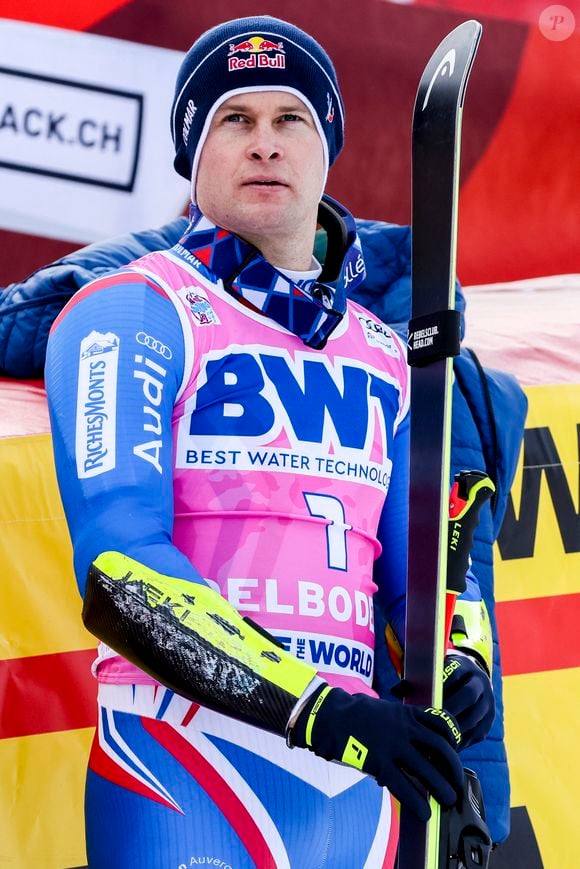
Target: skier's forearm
[(193, 641)]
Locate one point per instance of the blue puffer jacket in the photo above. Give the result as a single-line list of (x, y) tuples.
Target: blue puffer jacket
[(488, 412)]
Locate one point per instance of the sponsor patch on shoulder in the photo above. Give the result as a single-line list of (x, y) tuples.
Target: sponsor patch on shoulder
[(378, 335), (200, 307)]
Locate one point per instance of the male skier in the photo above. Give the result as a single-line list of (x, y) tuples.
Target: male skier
[(231, 443)]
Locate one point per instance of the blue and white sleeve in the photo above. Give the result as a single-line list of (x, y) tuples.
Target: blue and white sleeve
[(114, 369)]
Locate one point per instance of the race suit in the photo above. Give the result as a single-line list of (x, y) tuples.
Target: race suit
[(206, 441)]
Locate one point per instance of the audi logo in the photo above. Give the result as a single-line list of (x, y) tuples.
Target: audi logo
[(154, 344)]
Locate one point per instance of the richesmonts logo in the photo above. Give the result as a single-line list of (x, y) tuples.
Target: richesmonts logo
[(96, 404)]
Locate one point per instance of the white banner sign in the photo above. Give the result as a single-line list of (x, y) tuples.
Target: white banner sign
[(85, 147)]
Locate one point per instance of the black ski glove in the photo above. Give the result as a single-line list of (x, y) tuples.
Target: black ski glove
[(468, 696), (387, 740)]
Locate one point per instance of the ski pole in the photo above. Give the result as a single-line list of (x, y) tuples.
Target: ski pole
[(470, 491)]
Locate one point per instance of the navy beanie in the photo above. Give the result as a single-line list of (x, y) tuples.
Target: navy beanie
[(252, 54)]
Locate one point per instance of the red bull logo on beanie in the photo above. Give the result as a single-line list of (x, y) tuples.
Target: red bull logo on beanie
[(257, 51)]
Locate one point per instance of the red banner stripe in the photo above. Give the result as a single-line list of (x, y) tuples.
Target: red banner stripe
[(539, 634), (61, 13), (47, 693)]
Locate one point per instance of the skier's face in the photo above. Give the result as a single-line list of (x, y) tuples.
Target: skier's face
[(261, 171)]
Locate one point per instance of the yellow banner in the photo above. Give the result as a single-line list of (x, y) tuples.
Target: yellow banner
[(537, 579), (539, 546), (538, 558), (42, 781)]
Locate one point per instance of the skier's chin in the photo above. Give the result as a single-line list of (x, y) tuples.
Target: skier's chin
[(264, 218)]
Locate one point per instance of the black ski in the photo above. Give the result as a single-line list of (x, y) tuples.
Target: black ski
[(433, 341)]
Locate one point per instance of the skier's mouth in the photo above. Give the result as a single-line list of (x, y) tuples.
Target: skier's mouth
[(264, 182)]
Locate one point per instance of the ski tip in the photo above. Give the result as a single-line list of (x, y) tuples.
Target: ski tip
[(448, 69), (468, 32), (465, 26)]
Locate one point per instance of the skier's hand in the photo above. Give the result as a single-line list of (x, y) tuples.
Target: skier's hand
[(468, 696), (387, 740)]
